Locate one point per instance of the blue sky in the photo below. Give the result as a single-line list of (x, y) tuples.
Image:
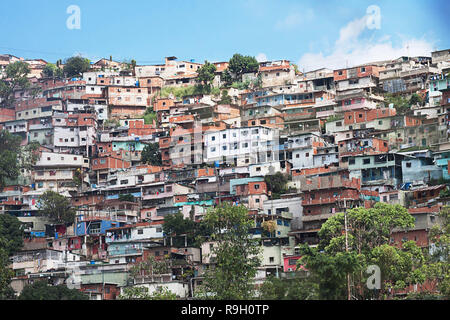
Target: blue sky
[(311, 33)]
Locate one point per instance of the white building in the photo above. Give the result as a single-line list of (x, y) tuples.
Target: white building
[(241, 146)]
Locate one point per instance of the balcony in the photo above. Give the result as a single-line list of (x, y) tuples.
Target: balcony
[(124, 252), (94, 231), (157, 195), (300, 116)]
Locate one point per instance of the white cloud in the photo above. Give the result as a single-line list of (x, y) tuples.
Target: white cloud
[(261, 57), (352, 49), (349, 34), (295, 19)]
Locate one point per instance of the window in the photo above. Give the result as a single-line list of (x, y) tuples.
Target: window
[(271, 259), (140, 231), (339, 124), (366, 161), (257, 186), (351, 161), (408, 164)]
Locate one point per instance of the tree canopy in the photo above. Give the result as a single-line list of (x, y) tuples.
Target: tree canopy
[(75, 66), (177, 227), (52, 71), (276, 184), (151, 154), (6, 274), (235, 255), (339, 258), (439, 264), (206, 74), (40, 290), (16, 78), (239, 64), (9, 152), (296, 288), (57, 207), (141, 293), (11, 241), (11, 234)]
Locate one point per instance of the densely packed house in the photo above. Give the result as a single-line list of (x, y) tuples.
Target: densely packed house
[(332, 133)]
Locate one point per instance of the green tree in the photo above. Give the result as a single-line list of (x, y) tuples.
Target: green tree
[(151, 155), (177, 227), (52, 71), (399, 267), (438, 267), (400, 103), (206, 74), (415, 99), (9, 152), (11, 234), (367, 242), (150, 116), (225, 98), (141, 293), (296, 288), (276, 184), (40, 290), (16, 78), (76, 66), (134, 293), (329, 271), (236, 255), (367, 228), (11, 241), (57, 207), (226, 78), (6, 274), (239, 64)]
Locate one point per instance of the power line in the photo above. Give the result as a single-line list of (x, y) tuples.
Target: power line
[(36, 51)]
